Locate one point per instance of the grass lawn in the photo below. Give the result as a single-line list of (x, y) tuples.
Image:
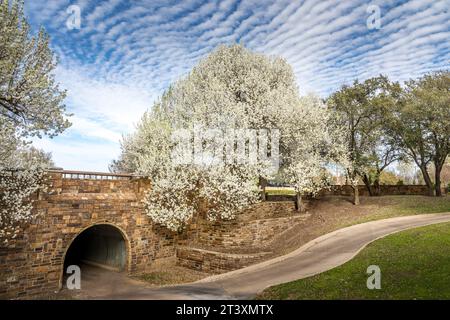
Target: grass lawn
[(283, 191), (415, 264), (376, 208)]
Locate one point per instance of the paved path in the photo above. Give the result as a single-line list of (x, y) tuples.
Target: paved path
[(319, 255)]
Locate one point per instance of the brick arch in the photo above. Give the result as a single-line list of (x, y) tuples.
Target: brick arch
[(98, 223)]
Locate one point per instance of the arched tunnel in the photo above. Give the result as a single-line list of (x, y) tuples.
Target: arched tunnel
[(101, 245)]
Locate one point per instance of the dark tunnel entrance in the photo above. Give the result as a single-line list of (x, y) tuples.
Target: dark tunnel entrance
[(100, 246)]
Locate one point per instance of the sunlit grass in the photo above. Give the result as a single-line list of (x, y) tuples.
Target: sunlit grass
[(415, 264), (280, 191)]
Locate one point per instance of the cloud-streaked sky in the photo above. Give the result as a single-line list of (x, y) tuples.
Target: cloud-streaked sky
[(128, 51)]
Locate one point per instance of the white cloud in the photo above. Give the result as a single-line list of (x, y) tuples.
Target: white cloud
[(114, 107), (90, 128)]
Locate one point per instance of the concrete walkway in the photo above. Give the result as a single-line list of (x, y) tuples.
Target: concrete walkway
[(319, 255)]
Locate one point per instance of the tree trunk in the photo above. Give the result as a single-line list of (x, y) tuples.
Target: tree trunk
[(437, 181), (263, 184), (366, 181), (298, 202), (427, 179), (355, 195), (376, 187)]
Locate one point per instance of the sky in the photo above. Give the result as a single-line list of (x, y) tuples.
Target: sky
[(120, 55)]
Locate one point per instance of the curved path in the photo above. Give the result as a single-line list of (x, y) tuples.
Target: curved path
[(319, 255)]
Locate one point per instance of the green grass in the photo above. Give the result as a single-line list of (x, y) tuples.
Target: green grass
[(280, 191), (396, 206), (415, 264), (407, 205)]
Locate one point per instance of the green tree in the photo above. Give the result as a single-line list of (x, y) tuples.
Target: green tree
[(420, 120), (371, 150), (389, 178)]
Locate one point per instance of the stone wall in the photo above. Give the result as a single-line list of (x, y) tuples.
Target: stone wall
[(249, 234), (33, 263), (218, 247), (346, 190), (215, 262)]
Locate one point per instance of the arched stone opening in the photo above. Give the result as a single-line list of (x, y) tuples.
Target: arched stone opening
[(101, 245)]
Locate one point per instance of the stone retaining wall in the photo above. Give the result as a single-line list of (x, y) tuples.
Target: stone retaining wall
[(249, 234), (215, 262), (229, 245), (346, 190)]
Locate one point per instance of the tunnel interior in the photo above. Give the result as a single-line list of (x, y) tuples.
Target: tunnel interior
[(101, 246)]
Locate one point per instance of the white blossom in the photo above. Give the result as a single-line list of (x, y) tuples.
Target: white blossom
[(21, 176), (232, 89), (31, 104)]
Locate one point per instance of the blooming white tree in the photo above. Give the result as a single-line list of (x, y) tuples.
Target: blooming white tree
[(312, 141), (22, 173), (31, 104), (20, 177), (29, 96), (231, 93)]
